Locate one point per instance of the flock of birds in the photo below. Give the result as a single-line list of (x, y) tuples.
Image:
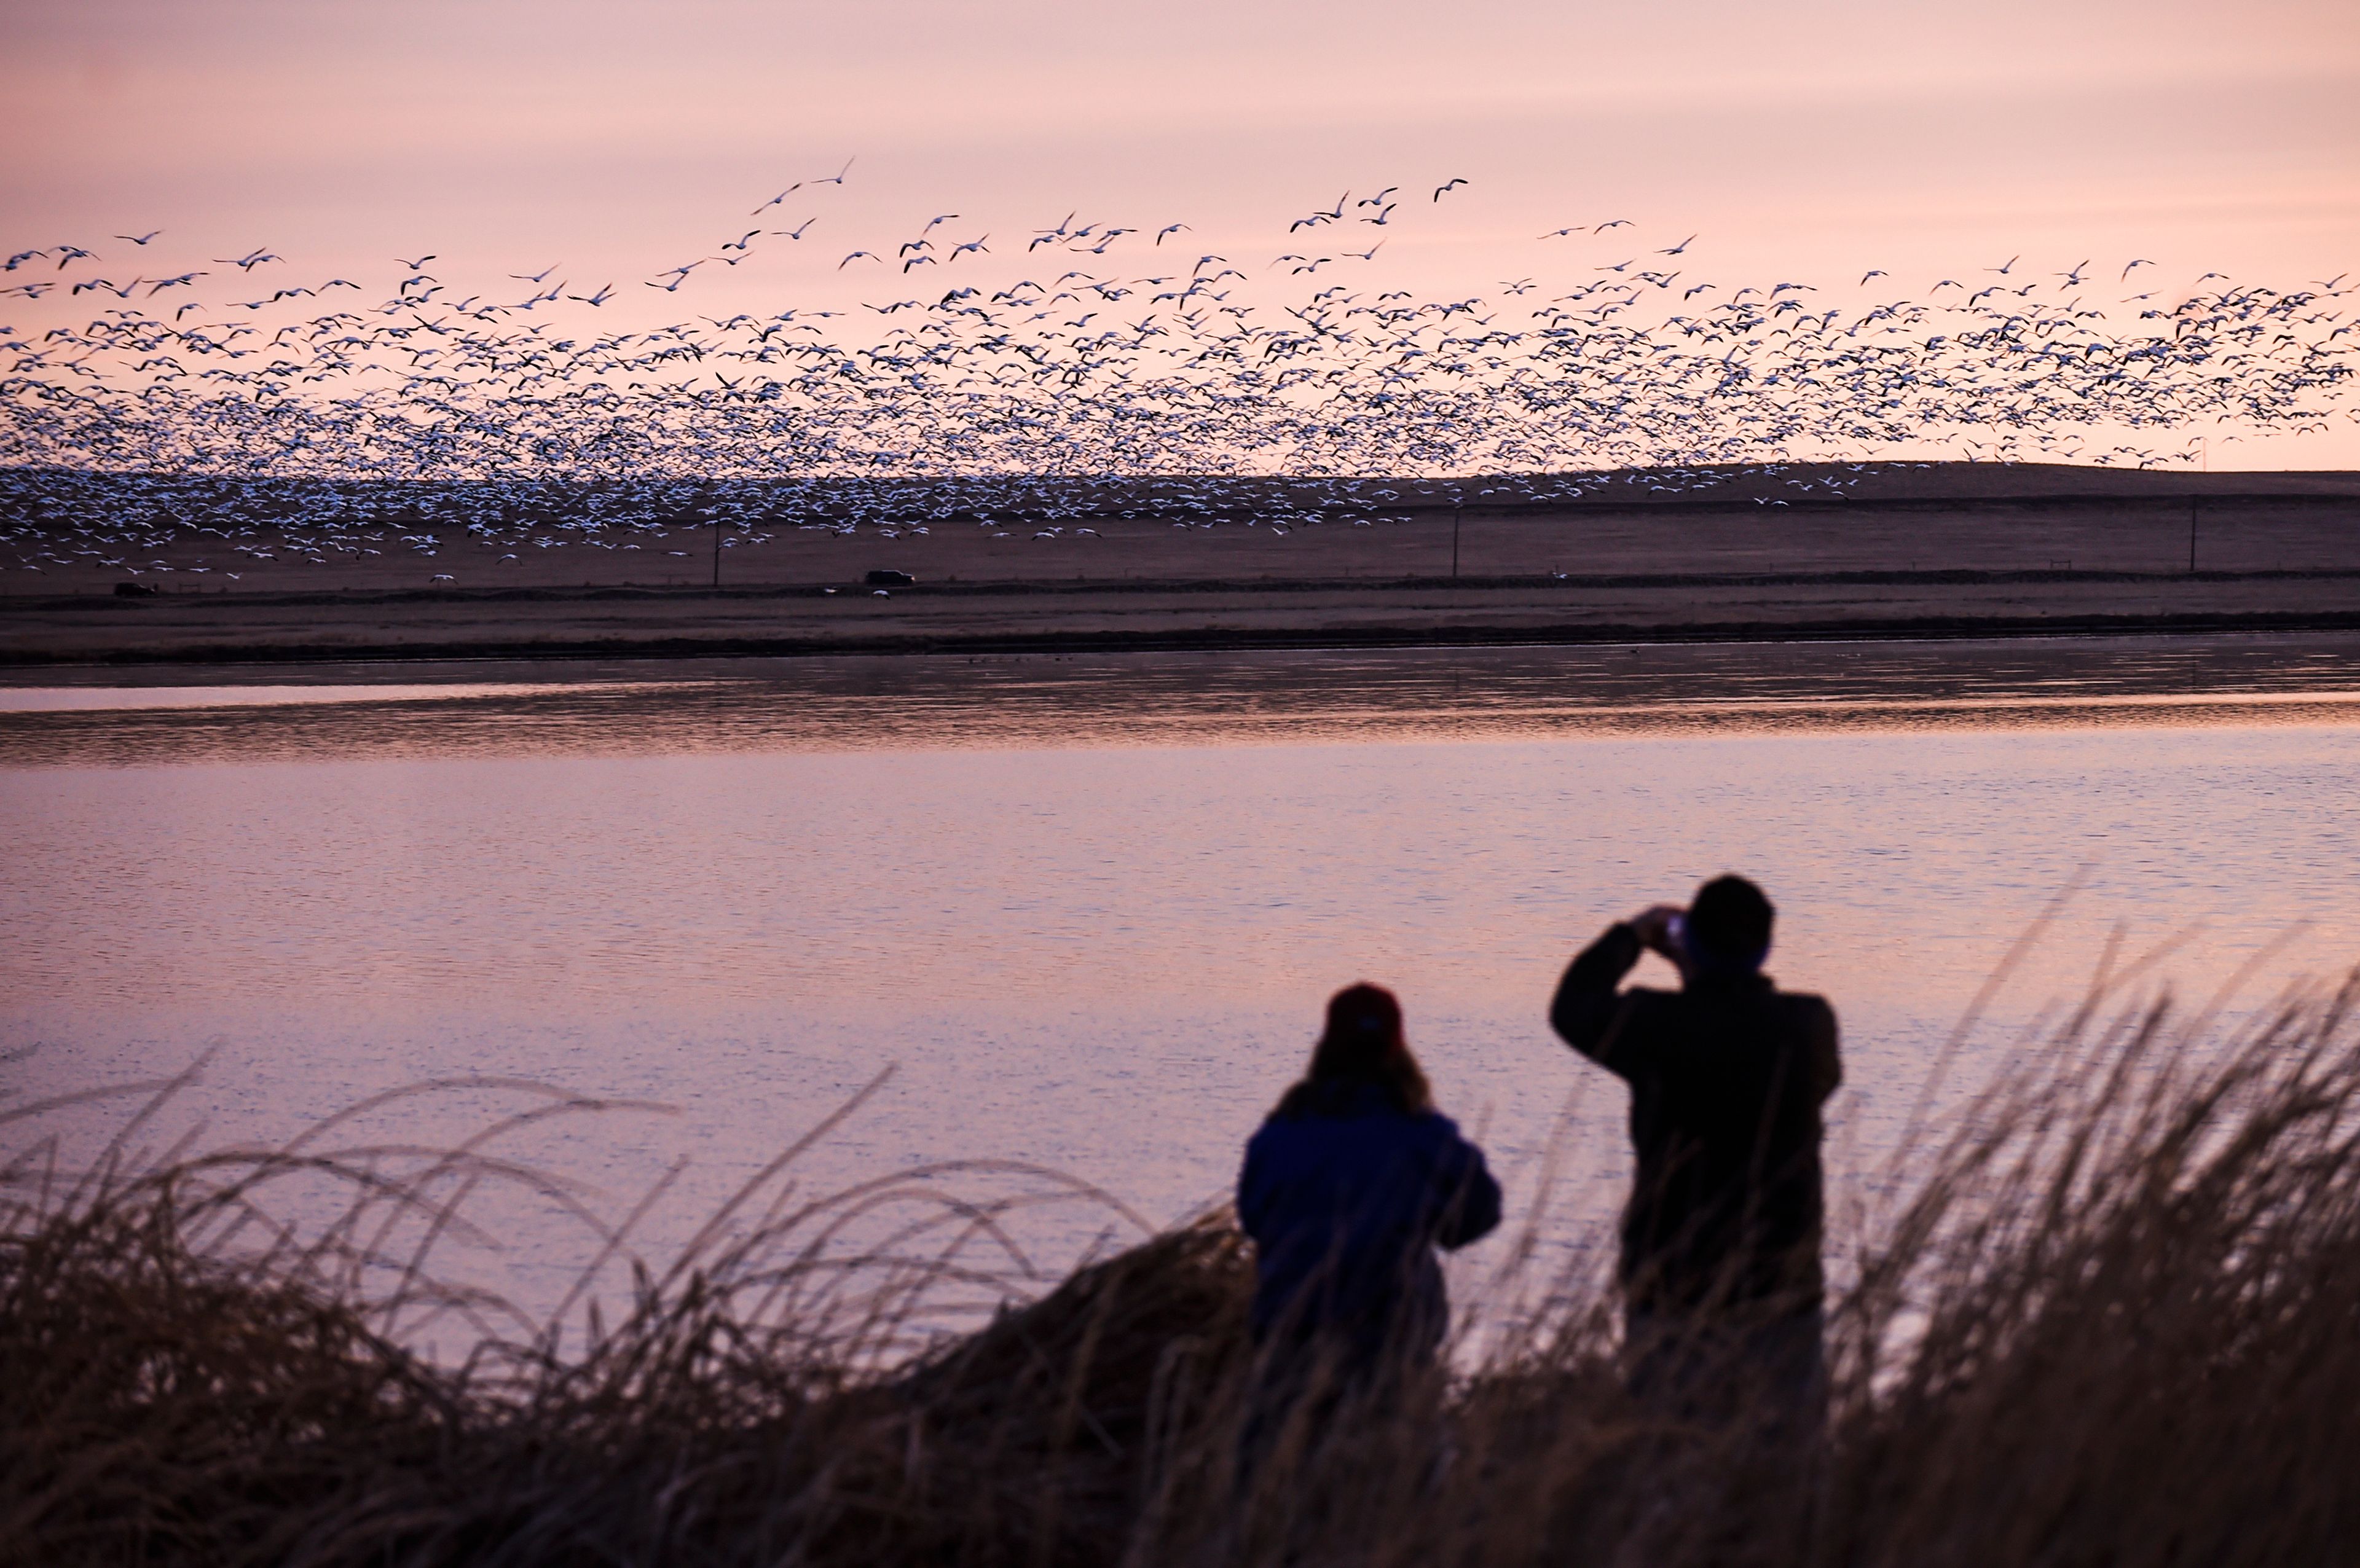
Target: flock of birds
[(1082, 369)]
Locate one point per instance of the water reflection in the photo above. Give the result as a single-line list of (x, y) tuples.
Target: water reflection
[(837, 704), (1092, 906)]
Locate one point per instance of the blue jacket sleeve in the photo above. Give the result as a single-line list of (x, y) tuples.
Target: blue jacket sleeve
[(1253, 1189), (1471, 1196)]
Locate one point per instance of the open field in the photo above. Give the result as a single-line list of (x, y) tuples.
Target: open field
[(1955, 549)]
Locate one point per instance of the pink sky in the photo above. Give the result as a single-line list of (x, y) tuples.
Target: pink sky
[(1807, 141)]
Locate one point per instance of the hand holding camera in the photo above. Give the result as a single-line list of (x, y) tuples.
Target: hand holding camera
[(1660, 930)]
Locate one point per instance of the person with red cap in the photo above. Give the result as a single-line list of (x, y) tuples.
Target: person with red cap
[(1349, 1188)]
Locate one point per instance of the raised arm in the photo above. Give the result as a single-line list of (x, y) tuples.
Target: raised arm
[(1583, 1011)]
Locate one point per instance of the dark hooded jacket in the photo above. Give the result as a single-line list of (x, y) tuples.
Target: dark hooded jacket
[(1346, 1204), (1727, 1077)]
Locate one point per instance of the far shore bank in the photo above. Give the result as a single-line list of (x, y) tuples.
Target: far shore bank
[(1953, 553), (785, 622)]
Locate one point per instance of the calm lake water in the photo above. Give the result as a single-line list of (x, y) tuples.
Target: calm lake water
[(1090, 908)]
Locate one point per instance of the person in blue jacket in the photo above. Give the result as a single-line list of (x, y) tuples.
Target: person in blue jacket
[(1348, 1188)]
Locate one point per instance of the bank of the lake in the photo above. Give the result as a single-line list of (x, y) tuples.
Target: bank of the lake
[(1957, 550)]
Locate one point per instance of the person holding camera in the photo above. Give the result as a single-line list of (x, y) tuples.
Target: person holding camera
[(1720, 1265)]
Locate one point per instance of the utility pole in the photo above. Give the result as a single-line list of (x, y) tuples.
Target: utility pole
[(716, 550), (1453, 543), (2191, 534)]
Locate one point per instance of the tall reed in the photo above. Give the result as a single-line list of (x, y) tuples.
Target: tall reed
[(2114, 1318)]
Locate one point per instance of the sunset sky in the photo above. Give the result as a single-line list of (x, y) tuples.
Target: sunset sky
[(1811, 141)]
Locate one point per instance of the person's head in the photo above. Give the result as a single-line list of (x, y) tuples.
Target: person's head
[(1363, 1046), (1727, 927)]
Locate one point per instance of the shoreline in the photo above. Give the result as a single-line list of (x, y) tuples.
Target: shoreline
[(2038, 625), (1036, 700)]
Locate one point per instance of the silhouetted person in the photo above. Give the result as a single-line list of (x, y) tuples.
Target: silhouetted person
[(1721, 1240), (1349, 1187)]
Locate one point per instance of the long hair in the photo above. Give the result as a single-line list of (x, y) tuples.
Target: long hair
[(1363, 1046)]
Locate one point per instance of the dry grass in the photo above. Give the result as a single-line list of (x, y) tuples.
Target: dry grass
[(2115, 1320)]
